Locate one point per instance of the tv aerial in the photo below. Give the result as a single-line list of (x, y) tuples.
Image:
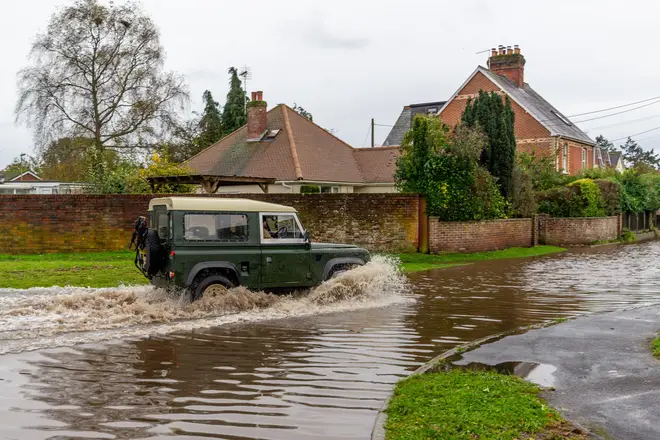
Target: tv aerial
[(246, 74)]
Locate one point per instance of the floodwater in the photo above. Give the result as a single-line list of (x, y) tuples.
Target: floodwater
[(131, 363)]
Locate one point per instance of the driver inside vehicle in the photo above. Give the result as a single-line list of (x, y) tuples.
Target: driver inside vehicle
[(267, 231)]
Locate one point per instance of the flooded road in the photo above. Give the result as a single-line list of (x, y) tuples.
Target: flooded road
[(317, 366)]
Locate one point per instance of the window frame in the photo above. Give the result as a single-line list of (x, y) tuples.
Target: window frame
[(585, 158), (215, 213), (564, 158), (270, 241)]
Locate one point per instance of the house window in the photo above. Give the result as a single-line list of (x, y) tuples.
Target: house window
[(564, 158), (330, 189), (584, 158)]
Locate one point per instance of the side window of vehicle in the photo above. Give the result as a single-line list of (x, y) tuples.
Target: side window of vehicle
[(280, 226), (224, 227)]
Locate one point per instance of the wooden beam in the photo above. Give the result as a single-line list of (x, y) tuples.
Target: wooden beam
[(264, 187)]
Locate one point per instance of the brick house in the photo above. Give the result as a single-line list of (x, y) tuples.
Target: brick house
[(539, 126), (293, 154)]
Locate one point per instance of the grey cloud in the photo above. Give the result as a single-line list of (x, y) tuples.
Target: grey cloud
[(317, 32)]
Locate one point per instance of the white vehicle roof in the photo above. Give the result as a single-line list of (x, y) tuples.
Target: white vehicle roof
[(217, 204)]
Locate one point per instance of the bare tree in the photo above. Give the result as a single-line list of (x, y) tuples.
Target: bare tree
[(98, 73)]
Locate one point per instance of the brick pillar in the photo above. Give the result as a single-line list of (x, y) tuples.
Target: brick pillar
[(423, 227), (535, 230), (541, 223)]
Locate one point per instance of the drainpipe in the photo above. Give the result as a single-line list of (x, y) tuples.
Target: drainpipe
[(287, 186)]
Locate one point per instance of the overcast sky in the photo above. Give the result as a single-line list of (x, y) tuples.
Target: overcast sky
[(349, 61)]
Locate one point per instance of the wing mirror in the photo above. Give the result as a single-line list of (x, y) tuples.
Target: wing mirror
[(306, 237)]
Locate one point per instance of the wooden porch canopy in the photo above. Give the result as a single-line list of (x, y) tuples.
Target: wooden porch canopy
[(210, 183)]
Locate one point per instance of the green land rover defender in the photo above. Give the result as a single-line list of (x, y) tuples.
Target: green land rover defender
[(204, 244)]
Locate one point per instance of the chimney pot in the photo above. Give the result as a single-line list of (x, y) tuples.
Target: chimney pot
[(493, 52), (257, 123), (516, 49), (510, 67)]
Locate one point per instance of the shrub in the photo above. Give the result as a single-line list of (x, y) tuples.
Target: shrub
[(541, 169), (634, 192), (610, 191), (310, 189), (581, 198), (628, 236), (555, 201), (587, 202), (523, 200)]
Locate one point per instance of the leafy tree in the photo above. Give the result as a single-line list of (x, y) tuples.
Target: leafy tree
[(22, 164), (541, 170), (605, 144), (68, 159), (210, 123), (636, 157), (130, 177), (496, 118), (234, 114), (97, 72), (444, 167), (302, 112)]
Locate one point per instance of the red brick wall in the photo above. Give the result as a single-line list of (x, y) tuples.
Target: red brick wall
[(479, 236), (72, 223), (578, 231), (526, 126)]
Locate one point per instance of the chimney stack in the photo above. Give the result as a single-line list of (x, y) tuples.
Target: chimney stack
[(257, 117), (509, 63)]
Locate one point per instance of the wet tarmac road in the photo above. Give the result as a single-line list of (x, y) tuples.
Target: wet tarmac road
[(323, 375)]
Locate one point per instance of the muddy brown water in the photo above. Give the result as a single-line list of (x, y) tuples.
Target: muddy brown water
[(130, 363)]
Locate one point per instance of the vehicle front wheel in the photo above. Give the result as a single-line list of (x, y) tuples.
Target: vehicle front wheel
[(212, 285), (341, 269)]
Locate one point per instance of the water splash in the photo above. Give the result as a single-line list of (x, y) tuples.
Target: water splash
[(55, 316)]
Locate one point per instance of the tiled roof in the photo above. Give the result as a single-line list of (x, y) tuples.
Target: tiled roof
[(401, 127), (377, 164), (404, 123), (320, 155), (539, 108)]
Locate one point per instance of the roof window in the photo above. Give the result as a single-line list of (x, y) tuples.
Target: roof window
[(562, 117), (271, 135)]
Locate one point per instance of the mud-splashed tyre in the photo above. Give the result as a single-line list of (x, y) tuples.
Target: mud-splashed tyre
[(155, 254), (216, 284), (341, 269)]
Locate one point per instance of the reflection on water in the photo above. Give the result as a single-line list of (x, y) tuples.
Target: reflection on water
[(316, 376)]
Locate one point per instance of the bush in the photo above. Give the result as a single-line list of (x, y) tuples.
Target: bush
[(581, 198), (523, 199), (556, 201), (587, 201), (541, 170), (610, 191), (628, 236), (310, 189), (634, 192)]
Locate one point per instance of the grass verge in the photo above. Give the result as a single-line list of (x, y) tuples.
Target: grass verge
[(102, 269), (418, 262), (655, 347), (466, 405)]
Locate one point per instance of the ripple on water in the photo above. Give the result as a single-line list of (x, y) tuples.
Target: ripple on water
[(311, 375)]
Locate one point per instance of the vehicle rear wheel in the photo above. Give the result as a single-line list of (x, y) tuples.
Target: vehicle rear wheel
[(211, 285)]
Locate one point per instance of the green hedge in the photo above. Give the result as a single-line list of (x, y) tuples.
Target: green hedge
[(581, 198)]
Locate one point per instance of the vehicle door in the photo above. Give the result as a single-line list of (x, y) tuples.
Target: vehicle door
[(285, 255)]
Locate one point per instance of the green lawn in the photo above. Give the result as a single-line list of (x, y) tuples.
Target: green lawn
[(103, 269), (110, 269), (418, 262), (468, 405)]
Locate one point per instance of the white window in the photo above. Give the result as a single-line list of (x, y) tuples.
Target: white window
[(281, 228), (584, 158), (564, 158), (330, 189)]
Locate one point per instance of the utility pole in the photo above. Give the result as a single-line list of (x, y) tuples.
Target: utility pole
[(373, 124)]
